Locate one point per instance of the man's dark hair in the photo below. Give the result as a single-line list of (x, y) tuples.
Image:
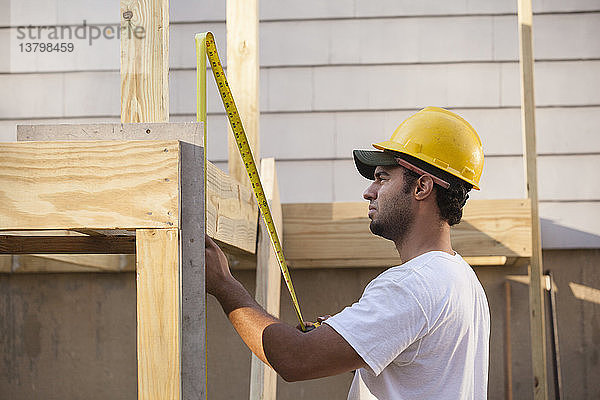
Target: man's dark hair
[(450, 201)]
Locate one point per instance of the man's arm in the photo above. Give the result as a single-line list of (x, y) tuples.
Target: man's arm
[(292, 354)]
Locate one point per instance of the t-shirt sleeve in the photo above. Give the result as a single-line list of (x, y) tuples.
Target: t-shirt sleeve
[(383, 323)]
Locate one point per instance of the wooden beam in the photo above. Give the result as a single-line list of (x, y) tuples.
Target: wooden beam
[(243, 78), (10, 244), (95, 185), (337, 234), (171, 296), (537, 319), (74, 262), (158, 314), (507, 343), (114, 185), (191, 132), (263, 379), (5, 264), (59, 263), (144, 60), (231, 211)]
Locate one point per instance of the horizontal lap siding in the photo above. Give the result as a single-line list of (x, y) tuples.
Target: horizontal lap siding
[(327, 88), (69, 12), (394, 40), (341, 75), (563, 131)]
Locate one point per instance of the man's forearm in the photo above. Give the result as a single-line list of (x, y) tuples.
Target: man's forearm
[(271, 340), (292, 354)]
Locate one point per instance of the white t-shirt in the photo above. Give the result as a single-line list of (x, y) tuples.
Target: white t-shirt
[(423, 330)]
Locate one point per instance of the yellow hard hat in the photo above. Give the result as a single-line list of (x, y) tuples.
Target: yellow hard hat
[(439, 138)]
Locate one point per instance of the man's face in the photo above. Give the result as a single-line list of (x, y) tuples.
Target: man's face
[(391, 205)]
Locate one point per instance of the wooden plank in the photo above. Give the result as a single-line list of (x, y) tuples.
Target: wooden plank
[(508, 389), (5, 264), (95, 185), (537, 320), (231, 212), (47, 263), (243, 78), (193, 293), (263, 379), (191, 132), (337, 234), (144, 60), (37, 263), (10, 244), (74, 262), (158, 314)]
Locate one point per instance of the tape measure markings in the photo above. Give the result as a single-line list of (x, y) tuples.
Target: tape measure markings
[(248, 160)]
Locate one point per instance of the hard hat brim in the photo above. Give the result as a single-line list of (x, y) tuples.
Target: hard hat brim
[(367, 160)]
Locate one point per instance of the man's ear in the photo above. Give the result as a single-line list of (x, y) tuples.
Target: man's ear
[(424, 187)]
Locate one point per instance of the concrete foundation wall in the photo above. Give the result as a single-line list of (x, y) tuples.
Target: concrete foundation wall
[(72, 336)]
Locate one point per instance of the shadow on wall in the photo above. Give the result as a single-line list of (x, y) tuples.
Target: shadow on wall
[(556, 236)]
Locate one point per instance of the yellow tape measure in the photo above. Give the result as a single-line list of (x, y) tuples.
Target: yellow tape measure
[(206, 47)]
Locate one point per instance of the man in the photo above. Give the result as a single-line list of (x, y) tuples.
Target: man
[(421, 329)]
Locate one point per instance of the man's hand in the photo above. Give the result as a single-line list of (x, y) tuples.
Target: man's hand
[(310, 324), (217, 267)]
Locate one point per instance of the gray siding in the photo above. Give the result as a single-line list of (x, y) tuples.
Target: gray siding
[(341, 75)]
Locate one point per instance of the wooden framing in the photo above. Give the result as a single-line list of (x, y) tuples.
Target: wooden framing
[(137, 188), (144, 60), (92, 185), (122, 244), (51, 263), (231, 210), (263, 379), (336, 235), (243, 76), (158, 317), (537, 316), (508, 381), (169, 239)]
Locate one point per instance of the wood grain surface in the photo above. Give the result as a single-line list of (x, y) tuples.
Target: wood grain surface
[(103, 185), (243, 77), (144, 60), (338, 235), (191, 132), (231, 212), (158, 314)]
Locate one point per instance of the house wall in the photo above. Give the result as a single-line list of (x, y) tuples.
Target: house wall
[(334, 76), (342, 75)]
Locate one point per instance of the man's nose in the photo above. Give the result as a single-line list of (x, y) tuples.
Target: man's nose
[(370, 193)]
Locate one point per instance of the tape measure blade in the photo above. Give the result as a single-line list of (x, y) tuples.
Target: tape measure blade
[(250, 165)]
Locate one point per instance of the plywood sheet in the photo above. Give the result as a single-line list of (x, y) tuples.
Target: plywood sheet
[(103, 185)]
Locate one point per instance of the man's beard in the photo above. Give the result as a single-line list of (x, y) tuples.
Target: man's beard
[(394, 222)]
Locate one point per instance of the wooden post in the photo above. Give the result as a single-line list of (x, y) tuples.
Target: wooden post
[(170, 275), (243, 75), (144, 60), (536, 288), (171, 297), (507, 342), (263, 379), (158, 317)]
